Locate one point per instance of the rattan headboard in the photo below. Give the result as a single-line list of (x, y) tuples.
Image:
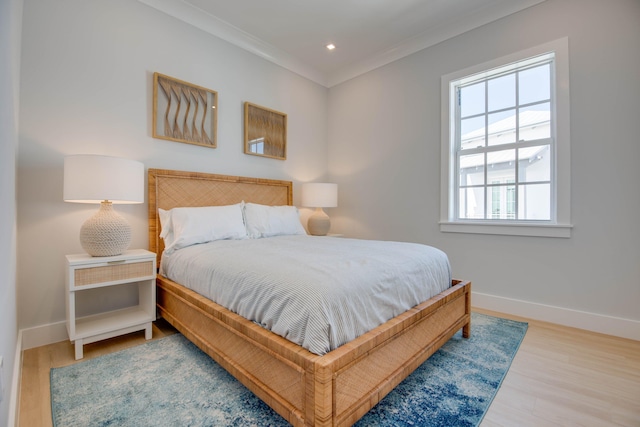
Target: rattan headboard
[(170, 189)]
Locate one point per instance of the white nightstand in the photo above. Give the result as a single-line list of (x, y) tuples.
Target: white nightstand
[(84, 272)]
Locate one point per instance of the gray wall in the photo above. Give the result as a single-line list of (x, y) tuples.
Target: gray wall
[(384, 152), (10, 25)]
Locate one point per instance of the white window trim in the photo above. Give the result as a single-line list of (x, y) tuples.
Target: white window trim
[(561, 227)]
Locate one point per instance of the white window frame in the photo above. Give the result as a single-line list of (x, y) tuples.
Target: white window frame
[(560, 223)]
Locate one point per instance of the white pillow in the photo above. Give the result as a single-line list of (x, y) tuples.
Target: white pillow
[(190, 226), (267, 221), (165, 225)]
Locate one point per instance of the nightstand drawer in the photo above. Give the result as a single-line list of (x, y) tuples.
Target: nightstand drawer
[(111, 273)]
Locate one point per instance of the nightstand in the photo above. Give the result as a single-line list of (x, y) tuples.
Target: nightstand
[(132, 268)]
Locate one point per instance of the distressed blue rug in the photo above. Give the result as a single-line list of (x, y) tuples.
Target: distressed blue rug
[(170, 382)]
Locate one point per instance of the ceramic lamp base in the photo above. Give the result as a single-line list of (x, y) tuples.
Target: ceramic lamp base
[(105, 233), (319, 223)]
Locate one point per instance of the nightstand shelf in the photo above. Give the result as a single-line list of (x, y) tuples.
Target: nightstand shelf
[(103, 323), (132, 268)]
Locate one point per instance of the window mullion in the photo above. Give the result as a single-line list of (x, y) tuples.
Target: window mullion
[(517, 180), (458, 150), (502, 147), (486, 142), (553, 142)]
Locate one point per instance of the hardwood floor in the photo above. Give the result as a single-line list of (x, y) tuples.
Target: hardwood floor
[(560, 377), (569, 377)]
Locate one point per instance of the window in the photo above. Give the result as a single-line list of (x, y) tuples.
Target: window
[(504, 140), (506, 145)]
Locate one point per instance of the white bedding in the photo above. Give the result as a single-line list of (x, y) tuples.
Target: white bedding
[(318, 292)]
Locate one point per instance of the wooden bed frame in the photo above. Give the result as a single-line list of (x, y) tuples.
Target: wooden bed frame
[(336, 389)]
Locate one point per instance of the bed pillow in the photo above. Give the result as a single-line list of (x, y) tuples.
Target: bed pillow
[(190, 226), (268, 221), (166, 232)]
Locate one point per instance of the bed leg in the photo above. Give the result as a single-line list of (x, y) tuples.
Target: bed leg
[(466, 329)]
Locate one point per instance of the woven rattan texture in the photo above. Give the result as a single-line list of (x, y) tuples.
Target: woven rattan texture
[(112, 273), (182, 192)]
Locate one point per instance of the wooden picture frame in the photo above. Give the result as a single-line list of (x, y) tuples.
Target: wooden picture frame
[(265, 132), (184, 112)]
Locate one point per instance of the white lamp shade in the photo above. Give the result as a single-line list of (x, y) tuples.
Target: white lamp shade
[(319, 195), (104, 180), (94, 178)]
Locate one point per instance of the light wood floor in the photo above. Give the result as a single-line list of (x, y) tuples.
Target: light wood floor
[(559, 377)]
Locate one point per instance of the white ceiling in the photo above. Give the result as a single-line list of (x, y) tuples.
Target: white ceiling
[(367, 33)]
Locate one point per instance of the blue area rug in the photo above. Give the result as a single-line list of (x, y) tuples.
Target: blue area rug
[(170, 382)]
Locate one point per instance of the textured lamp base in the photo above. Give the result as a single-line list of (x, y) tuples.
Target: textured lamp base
[(319, 223), (106, 233)]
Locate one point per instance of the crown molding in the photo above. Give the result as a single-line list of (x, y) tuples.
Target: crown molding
[(213, 25), (431, 37), (209, 23)]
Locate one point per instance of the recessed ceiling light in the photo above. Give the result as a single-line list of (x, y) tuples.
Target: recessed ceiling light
[(331, 46)]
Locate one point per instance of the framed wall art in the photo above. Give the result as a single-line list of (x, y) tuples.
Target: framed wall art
[(265, 132), (184, 112)]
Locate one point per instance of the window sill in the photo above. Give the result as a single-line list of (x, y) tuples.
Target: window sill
[(516, 229)]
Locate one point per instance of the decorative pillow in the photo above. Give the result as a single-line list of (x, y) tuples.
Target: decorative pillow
[(165, 225), (190, 226), (267, 221)]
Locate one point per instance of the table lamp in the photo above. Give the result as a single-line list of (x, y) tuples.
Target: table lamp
[(105, 180), (319, 195)]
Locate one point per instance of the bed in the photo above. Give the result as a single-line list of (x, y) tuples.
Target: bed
[(307, 389)]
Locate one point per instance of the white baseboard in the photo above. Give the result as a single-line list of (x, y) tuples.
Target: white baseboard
[(30, 338), (44, 335), (616, 326)]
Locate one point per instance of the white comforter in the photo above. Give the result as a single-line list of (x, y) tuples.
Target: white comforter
[(318, 292)]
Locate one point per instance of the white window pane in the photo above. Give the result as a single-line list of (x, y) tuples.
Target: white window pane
[(502, 128), (501, 166), (472, 133), (534, 164), (534, 84), (534, 202), (472, 169), (471, 203), (502, 92), (472, 100), (534, 122)]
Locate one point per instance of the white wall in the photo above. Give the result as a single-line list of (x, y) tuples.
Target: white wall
[(384, 151), (87, 88), (10, 25)]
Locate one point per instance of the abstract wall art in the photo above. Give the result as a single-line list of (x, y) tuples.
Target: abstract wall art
[(265, 132), (184, 112)]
